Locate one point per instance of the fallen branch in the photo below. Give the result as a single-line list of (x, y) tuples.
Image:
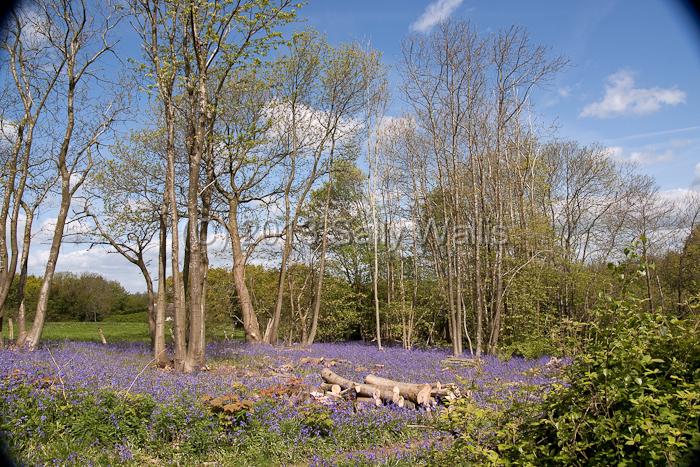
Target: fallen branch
[(141, 372), (60, 378)]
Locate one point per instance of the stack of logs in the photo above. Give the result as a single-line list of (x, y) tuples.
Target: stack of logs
[(378, 391)]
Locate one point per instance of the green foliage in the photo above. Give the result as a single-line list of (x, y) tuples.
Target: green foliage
[(88, 297), (341, 313), (317, 419), (138, 317), (220, 296), (108, 428), (483, 431), (84, 297), (81, 424), (534, 347), (632, 398)]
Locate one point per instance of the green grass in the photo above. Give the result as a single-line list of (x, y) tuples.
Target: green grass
[(138, 317), (118, 328)]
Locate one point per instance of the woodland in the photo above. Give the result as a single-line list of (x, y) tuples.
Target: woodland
[(326, 283)]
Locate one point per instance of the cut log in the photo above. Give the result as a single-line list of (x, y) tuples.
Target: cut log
[(368, 400), (333, 378), (423, 396), (349, 394), (335, 389), (386, 394), (397, 394), (418, 393)]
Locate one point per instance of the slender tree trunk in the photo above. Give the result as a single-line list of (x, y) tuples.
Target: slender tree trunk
[(322, 260), (271, 335), (26, 241), (250, 320), (375, 240), (34, 334), (180, 321), (478, 288), (151, 301), (159, 350)]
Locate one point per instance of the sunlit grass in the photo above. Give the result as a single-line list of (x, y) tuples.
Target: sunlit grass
[(119, 328)]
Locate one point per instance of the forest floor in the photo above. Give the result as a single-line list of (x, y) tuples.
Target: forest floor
[(279, 422)]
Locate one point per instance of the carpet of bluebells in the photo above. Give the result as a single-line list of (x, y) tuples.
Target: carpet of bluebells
[(61, 372)]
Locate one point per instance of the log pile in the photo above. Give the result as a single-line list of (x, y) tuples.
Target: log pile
[(378, 391)]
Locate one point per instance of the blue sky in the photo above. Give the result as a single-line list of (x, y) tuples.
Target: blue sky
[(633, 83), (644, 54)]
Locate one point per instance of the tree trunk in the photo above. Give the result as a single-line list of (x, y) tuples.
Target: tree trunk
[(322, 260), (180, 321), (250, 320), (34, 334), (26, 241), (417, 393), (159, 350)]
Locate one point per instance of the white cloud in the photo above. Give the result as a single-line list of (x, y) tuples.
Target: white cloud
[(675, 195), (614, 152), (564, 91), (434, 13), (622, 98), (650, 157), (8, 133), (643, 156)]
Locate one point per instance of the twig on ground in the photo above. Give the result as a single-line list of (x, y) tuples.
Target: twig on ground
[(60, 378), (141, 372)]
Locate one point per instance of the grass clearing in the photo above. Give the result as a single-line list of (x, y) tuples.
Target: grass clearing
[(119, 328)]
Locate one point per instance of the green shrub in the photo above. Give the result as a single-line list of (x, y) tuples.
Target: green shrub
[(317, 419), (531, 348), (138, 317), (631, 398)]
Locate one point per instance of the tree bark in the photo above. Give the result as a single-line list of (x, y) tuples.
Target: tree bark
[(250, 320), (322, 259), (159, 349)]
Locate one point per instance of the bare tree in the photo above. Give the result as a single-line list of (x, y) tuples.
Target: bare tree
[(323, 91), (80, 39), (34, 70)]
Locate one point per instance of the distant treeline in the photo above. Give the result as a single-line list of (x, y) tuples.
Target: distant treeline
[(84, 297)]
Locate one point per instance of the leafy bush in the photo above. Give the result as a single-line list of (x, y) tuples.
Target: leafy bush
[(103, 427), (632, 398), (531, 348)]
